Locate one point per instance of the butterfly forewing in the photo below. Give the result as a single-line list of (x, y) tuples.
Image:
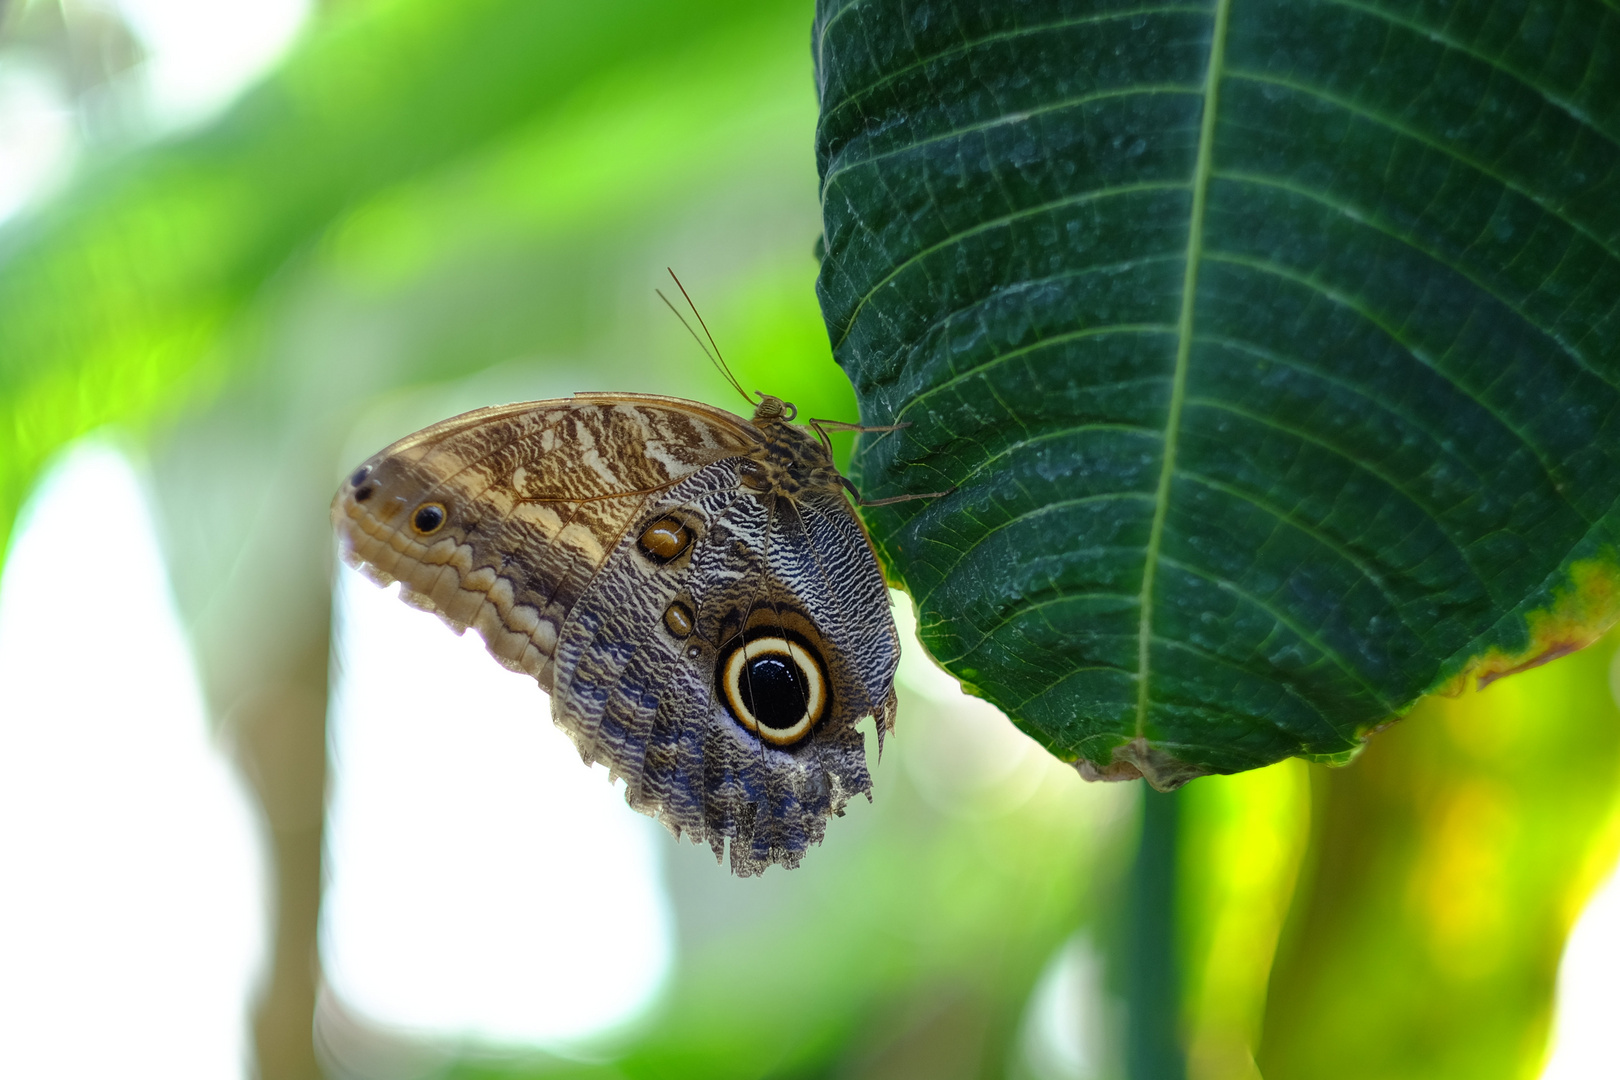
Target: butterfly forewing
[(533, 496)]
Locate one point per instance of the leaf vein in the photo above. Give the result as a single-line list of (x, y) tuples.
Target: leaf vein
[(1355, 462), (1282, 360), (1238, 665), (1022, 31), (1411, 242), (993, 224), (1065, 677), (962, 554), (1028, 283), (1316, 533), (1039, 605), (1034, 439), (1332, 655), (1441, 37), (1334, 295), (1024, 350), (1439, 147), (1008, 118)]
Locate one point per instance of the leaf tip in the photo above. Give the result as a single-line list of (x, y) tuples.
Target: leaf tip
[(1140, 759), (1586, 606)]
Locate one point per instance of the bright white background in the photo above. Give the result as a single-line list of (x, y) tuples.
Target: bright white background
[(197, 56), (481, 881), (132, 915)]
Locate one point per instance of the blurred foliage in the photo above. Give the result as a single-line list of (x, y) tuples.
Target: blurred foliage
[(433, 206), (1241, 846), (117, 301), (1447, 867)]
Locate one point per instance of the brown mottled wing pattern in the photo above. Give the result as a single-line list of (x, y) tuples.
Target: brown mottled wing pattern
[(534, 496)]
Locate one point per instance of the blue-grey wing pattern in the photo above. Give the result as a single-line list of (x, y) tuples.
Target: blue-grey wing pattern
[(652, 695)]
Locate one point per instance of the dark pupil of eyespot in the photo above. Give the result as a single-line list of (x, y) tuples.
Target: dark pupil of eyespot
[(428, 518), (360, 474), (773, 690)]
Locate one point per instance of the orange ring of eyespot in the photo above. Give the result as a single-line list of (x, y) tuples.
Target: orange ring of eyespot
[(809, 668), (444, 516)]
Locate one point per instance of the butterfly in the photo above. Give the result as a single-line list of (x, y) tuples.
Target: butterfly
[(693, 589)]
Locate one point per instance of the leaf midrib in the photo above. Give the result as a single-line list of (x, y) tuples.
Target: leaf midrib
[(1178, 385)]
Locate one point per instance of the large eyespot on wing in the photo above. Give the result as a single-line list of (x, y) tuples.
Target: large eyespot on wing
[(637, 689), (774, 683)]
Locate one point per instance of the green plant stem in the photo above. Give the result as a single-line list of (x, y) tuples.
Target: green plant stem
[(1152, 979)]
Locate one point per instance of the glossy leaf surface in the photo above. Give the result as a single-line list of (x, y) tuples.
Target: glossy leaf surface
[(1272, 349)]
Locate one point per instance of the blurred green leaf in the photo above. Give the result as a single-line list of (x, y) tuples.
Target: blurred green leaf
[(916, 932), (1242, 842), (118, 300), (517, 265), (1446, 870), (1272, 349)]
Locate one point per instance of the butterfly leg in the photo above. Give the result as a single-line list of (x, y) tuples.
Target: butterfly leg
[(844, 425), (861, 500), (821, 427)]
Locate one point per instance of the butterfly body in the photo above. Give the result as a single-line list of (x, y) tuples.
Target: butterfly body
[(693, 589)]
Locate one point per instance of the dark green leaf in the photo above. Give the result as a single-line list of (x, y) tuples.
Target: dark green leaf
[(1271, 347)]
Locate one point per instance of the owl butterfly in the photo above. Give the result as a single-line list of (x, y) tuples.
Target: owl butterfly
[(693, 589)]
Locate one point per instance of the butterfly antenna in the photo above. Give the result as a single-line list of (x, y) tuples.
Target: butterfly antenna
[(717, 358), (720, 367)]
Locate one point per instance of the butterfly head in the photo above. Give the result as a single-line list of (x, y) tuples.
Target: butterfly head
[(771, 409)]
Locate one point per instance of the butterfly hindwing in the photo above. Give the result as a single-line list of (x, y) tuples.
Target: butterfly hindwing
[(830, 566), (643, 692)]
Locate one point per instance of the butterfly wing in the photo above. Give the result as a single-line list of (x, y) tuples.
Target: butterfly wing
[(605, 546), (653, 667), (498, 519), (827, 558)]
